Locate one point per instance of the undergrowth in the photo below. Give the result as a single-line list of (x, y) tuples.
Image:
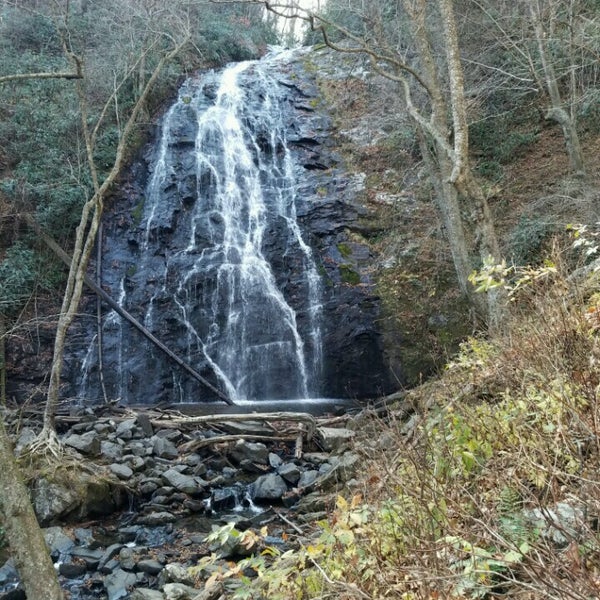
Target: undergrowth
[(491, 491)]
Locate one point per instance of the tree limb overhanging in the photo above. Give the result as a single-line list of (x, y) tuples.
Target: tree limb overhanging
[(49, 75), (86, 235), (440, 118)]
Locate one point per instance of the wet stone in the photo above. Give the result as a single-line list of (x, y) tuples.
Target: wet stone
[(117, 584)]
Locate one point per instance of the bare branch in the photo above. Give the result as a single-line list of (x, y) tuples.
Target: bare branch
[(48, 75)]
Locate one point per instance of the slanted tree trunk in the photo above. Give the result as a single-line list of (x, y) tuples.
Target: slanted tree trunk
[(2, 360), (85, 239), (25, 538)]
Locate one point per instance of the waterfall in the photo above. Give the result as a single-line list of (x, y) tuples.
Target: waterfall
[(218, 262)]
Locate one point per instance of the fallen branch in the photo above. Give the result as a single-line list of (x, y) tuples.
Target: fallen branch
[(263, 417), (195, 445), (123, 313)]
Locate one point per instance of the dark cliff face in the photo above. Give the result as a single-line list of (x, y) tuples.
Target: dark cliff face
[(161, 261)]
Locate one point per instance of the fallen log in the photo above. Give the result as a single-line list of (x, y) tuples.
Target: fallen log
[(195, 445), (309, 420), (123, 313)]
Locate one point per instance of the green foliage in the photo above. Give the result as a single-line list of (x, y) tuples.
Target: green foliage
[(349, 275), (345, 250), (527, 239), (19, 272), (498, 143), (43, 162)]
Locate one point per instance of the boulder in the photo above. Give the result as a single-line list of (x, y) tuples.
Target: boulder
[(164, 448), (269, 487), (334, 439), (290, 472), (184, 483), (123, 472), (87, 443), (117, 584), (252, 451)]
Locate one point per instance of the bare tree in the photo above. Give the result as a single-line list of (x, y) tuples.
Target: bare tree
[(24, 535), (544, 17), (169, 43), (551, 47)]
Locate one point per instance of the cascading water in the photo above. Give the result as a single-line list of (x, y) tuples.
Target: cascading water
[(246, 309)]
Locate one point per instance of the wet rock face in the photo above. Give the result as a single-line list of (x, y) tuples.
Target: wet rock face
[(350, 363)]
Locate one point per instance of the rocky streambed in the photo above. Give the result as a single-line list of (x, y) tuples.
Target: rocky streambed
[(131, 506)]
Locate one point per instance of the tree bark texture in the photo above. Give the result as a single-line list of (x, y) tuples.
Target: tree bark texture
[(25, 538)]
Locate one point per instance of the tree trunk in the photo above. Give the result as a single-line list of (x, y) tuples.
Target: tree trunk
[(2, 360), (85, 239), (556, 112), (25, 539)]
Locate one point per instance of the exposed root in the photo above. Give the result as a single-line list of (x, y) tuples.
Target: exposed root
[(47, 444)]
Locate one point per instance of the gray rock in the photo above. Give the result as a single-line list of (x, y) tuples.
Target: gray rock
[(290, 472), (179, 591), (102, 428), (150, 566), (58, 541), (143, 422), (137, 463), (177, 573), (164, 448), (117, 584), (183, 483), (87, 443), (71, 570), (146, 594), (334, 439), (111, 450), (269, 487), (137, 448), (275, 460), (51, 500), (123, 472), (90, 556), (312, 503), (308, 478), (345, 466), (109, 553), (223, 499), (126, 558), (26, 436), (560, 523), (156, 518), (252, 451), (126, 429)]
